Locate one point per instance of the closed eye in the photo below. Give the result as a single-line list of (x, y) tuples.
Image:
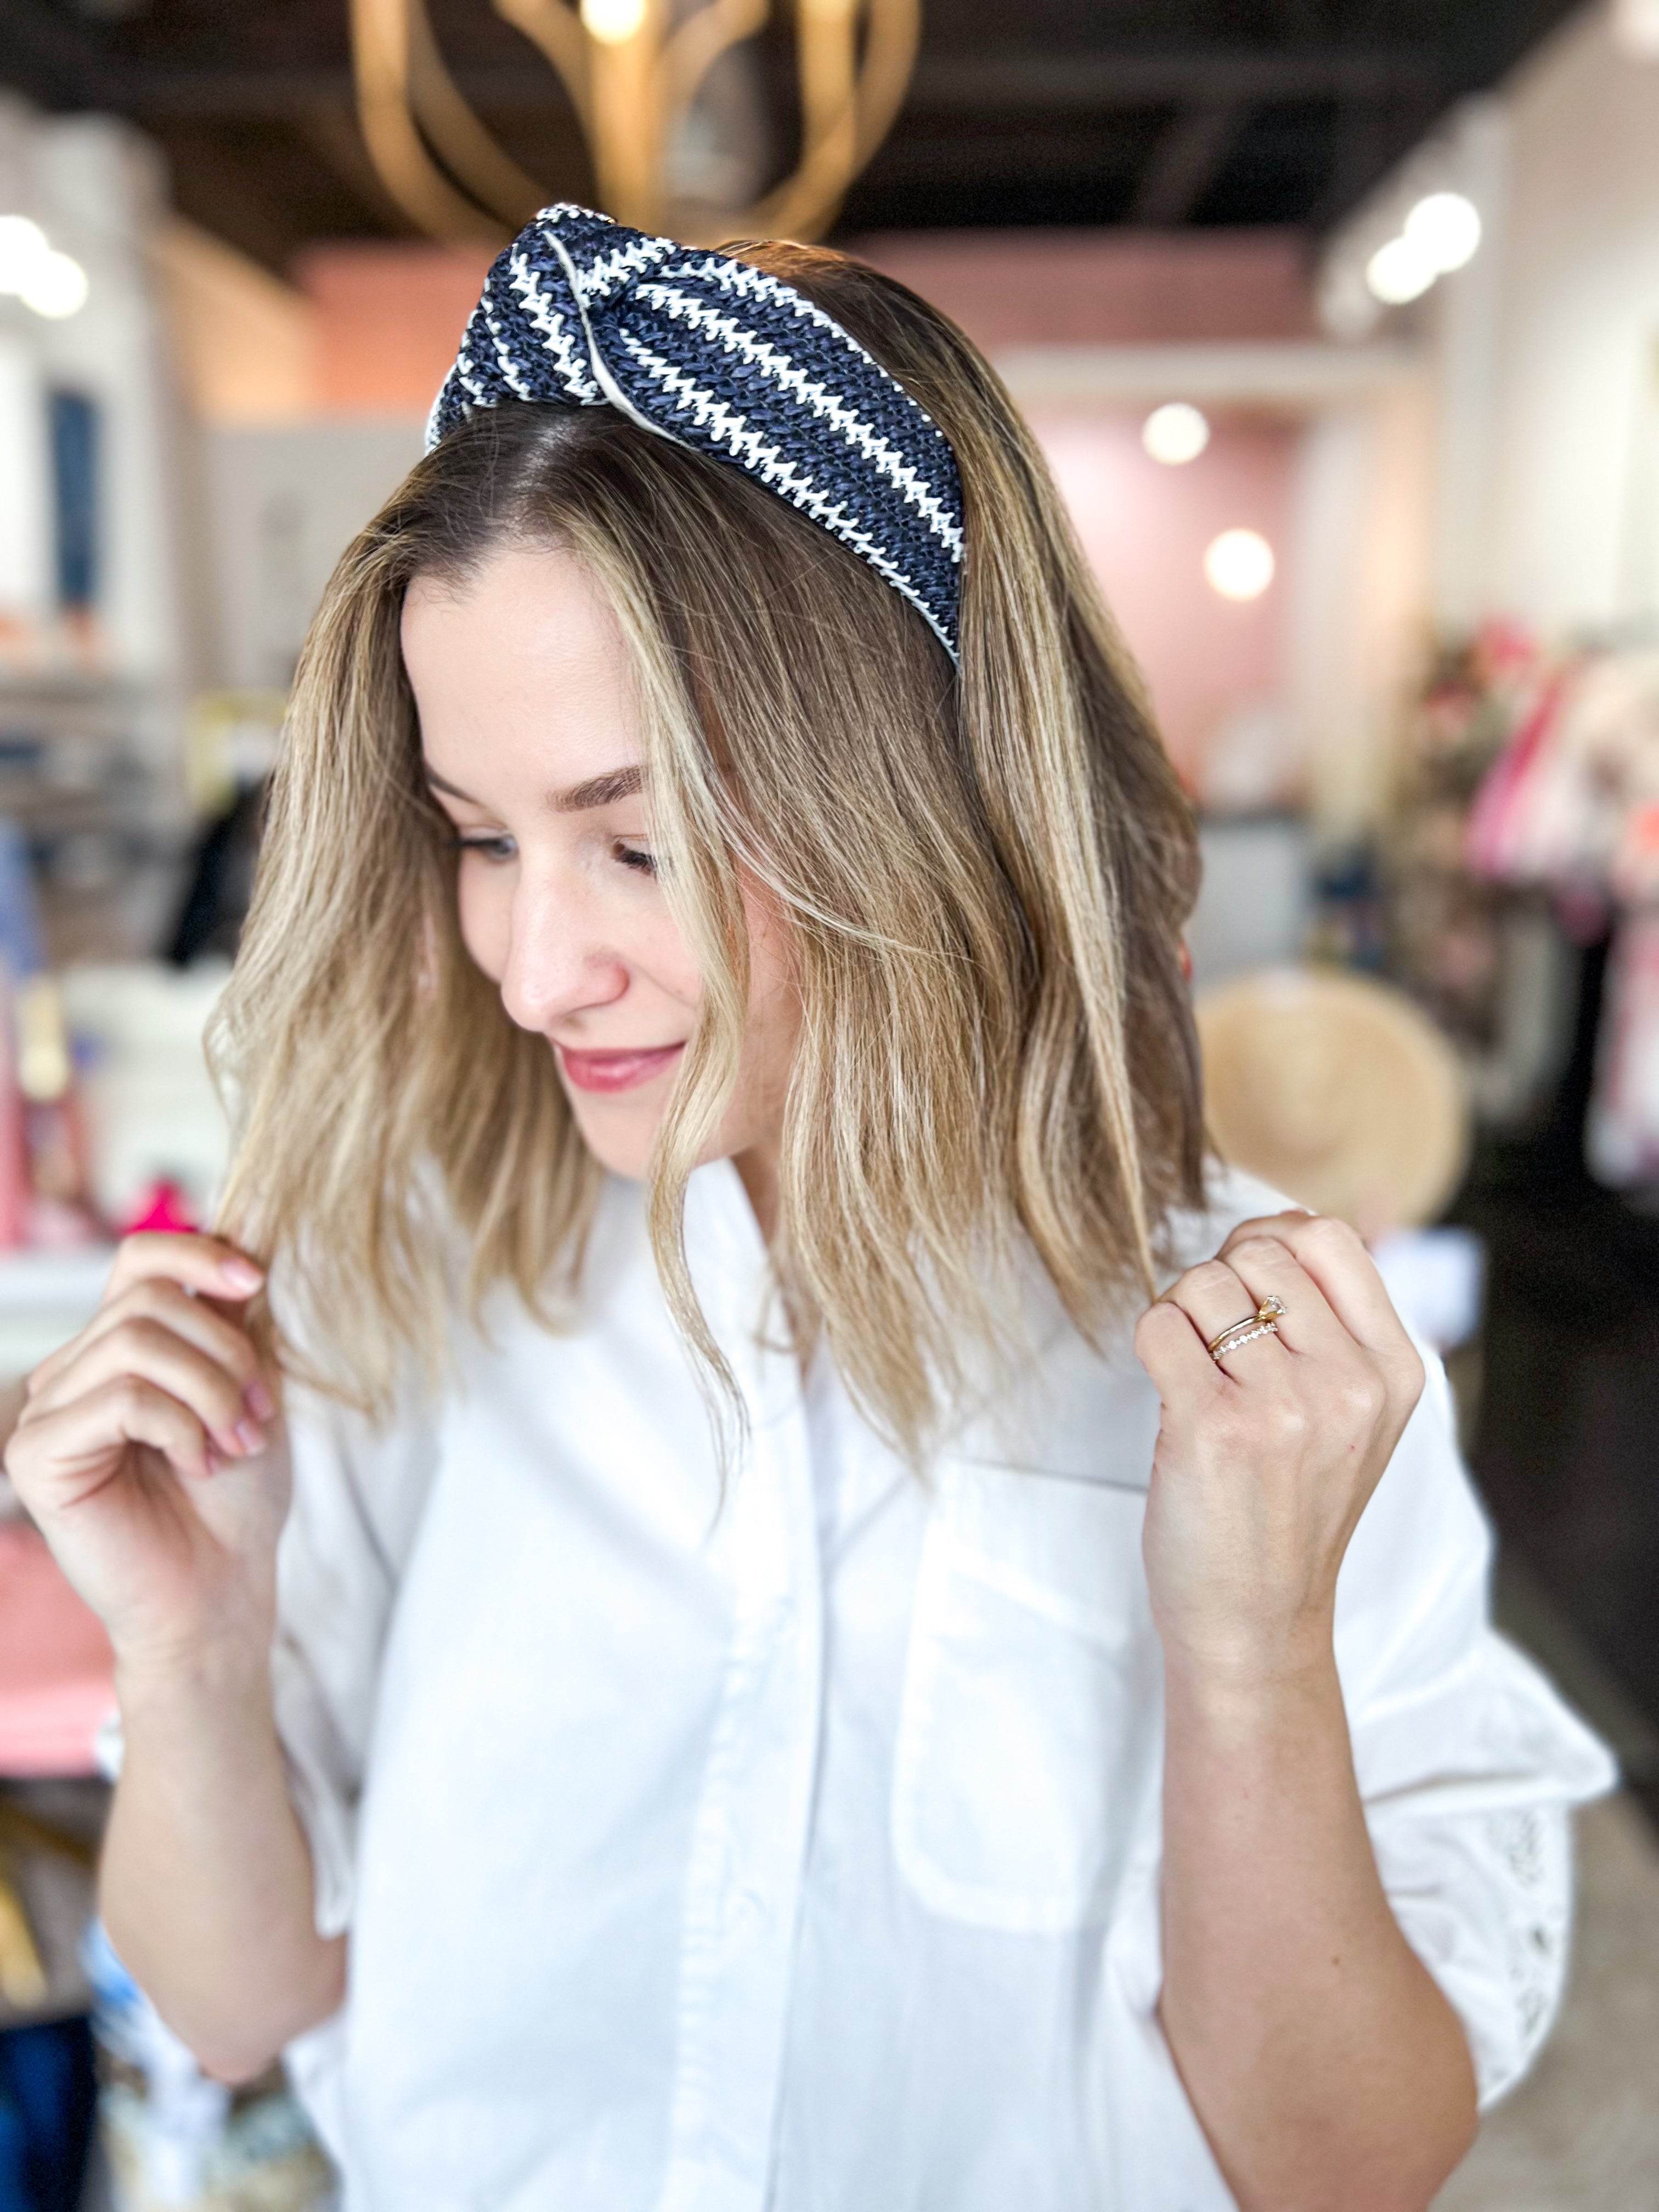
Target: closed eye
[(631, 856), (497, 846)]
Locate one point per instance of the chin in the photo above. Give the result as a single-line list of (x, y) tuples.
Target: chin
[(620, 1142)]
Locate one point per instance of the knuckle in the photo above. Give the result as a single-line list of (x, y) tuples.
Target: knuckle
[(1259, 1251), (1360, 1397), (130, 1396), (135, 1337), (1157, 1315), (147, 1297), (1287, 1414), (1210, 1275), (1409, 1375)]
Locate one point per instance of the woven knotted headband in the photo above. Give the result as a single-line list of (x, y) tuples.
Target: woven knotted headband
[(720, 357)]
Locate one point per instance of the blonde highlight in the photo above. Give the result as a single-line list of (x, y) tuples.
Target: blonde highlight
[(983, 877)]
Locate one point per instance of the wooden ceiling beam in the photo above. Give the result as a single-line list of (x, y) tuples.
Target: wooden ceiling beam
[(1192, 75), (1096, 81), (1186, 161), (49, 58)]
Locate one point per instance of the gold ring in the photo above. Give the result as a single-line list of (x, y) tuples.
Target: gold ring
[(1264, 1321)]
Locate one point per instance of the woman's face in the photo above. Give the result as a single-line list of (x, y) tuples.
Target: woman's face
[(531, 742)]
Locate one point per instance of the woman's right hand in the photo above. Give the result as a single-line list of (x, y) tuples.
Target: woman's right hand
[(152, 1454)]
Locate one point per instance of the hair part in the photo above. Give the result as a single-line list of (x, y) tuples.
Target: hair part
[(982, 876)]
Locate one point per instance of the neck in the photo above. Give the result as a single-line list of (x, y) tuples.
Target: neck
[(758, 1168)]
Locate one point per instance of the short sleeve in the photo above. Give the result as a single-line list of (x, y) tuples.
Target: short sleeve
[(358, 1493), (1469, 1762)]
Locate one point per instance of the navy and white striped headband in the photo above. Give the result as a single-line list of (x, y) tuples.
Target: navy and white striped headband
[(720, 357)]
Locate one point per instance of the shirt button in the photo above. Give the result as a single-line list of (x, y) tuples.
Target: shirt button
[(745, 1912)]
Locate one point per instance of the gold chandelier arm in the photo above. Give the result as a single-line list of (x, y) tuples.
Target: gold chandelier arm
[(556, 31), (889, 60), (846, 110), (379, 37), (694, 48), (489, 173)]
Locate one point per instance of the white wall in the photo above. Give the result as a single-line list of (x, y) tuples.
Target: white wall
[(283, 502), (1542, 498), (1573, 533), (97, 188)]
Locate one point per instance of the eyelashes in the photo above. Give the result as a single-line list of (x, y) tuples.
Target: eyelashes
[(492, 848), (634, 858)]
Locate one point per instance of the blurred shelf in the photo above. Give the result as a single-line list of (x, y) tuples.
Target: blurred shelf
[(45, 1299)]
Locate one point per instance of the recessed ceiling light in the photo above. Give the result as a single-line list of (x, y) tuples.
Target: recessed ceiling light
[(1399, 271), (1445, 227), (57, 286), (1174, 433), (23, 247), (1239, 564)]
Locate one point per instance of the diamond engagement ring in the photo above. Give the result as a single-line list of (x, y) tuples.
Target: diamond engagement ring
[(1264, 1321)]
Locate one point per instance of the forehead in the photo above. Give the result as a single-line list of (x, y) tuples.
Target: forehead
[(521, 665)]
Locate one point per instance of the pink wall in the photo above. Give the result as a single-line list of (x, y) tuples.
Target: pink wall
[(389, 317), (1145, 526), (1105, 287)]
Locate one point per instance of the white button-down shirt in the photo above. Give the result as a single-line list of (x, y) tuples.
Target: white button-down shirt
[(799, 1850)]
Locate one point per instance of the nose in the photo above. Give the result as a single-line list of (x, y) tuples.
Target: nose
[(558, 961)]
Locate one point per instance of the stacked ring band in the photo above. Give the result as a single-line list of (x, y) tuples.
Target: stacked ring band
[(1264, 1321)]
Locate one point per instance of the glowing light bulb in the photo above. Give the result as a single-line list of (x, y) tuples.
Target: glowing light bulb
[(23, 247), (1174, 433), (1446, 228), (1635, 29), (1239, 564), (57, 286), (1399, 271), (613, 22)]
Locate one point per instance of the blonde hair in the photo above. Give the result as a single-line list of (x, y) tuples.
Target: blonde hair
[(983, 878)]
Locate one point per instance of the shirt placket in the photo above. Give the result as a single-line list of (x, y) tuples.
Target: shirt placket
[(750, 1836)]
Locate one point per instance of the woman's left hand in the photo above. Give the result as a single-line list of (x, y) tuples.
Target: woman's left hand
[(1266, 1462)]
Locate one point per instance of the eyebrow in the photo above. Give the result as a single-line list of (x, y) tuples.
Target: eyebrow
[(619, 783)]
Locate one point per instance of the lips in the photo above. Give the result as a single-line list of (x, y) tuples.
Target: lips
[(606, 1072)]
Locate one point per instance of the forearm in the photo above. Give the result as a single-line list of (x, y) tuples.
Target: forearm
[(206, 1883), (1325, 2065)]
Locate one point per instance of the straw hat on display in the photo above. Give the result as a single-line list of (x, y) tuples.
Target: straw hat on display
[(1338, 1091)]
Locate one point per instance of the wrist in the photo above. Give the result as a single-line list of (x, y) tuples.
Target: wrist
[(152, 1675), (1254, 1669)]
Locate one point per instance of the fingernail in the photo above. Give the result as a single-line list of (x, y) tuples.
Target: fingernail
[(250, 1436), (240, 1274), (228, 1442), (260, 1401)]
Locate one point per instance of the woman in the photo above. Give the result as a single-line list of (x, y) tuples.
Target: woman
[(770, 1691)]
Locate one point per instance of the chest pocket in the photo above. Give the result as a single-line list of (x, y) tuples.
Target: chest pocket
[(1030, 1734)]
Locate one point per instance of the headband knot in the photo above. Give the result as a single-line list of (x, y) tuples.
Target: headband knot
[(719, 357)]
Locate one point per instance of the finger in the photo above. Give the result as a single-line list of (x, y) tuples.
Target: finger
[(1263, 1224), (197, 1320), (48, 1458), (207, 1264), (1333, 1255), (1212, 1296), (151, 1352), (1182, 1372), (1269, 1269)]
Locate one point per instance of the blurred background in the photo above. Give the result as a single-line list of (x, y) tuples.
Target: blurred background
[(1339, 323)]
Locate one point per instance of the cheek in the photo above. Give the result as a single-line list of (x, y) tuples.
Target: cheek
[(773, 1001), (483, 903)]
